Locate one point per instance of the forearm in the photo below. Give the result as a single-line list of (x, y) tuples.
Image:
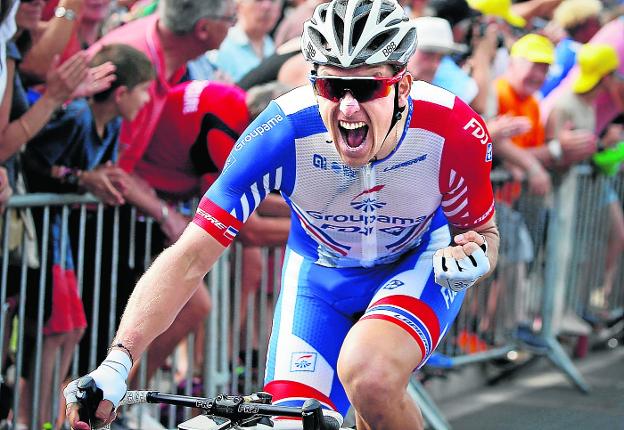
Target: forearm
[(53, 41), (140, 194), (165, 288), (522, 158), (20, 131)]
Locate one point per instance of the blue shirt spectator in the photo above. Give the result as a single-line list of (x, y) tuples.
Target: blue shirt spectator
[(236, 55), (451, 77)]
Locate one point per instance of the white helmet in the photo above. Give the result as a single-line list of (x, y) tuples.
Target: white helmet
[(352, 33)]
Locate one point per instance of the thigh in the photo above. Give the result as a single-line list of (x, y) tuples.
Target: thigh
[(412, 300), (307, 334)]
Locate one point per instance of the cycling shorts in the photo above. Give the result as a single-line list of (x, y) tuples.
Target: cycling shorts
[(318, 306)]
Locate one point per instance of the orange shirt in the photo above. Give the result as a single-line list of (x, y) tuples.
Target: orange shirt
[(509, 103)]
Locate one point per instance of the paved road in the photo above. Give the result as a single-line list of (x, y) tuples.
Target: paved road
[(540, 398)]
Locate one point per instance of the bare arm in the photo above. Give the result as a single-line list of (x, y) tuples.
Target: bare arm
[(165, 287), (532, 8), (52, 41)]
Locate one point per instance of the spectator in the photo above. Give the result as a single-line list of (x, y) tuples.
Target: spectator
[(598, 64), (581, 21), (609, 104), (70, 153), (178, 33), (531, 56), (292, 25), (435, 40), (248, 42)]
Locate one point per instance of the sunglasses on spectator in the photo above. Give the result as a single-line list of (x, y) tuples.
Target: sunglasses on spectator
[(363, 89)]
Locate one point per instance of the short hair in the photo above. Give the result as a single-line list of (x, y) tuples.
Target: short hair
[(180, 16), (132, 67)]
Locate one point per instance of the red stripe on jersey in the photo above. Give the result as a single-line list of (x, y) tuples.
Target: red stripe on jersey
[(466, 156), (217, 222), (418, 308), (282, 389), (404, 326)]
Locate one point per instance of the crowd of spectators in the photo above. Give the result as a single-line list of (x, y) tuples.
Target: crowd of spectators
[(140, 101)]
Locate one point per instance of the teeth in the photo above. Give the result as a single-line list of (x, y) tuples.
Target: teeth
[(351, 125)]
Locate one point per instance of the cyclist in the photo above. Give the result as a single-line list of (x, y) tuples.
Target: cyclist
[(371, 280)]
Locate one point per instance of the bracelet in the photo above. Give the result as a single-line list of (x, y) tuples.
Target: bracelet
[(25, 127), (121, 346)]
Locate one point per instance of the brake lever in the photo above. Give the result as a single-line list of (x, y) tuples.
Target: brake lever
[(89, 397)]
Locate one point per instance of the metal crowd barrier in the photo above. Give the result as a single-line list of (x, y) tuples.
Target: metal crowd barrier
[(550, 270)]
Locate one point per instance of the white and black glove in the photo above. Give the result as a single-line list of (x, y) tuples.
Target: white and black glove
[(110, 377), (459, 274)]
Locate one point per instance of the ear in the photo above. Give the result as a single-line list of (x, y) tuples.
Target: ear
[(405, 86), (120, 92), (202, 29)]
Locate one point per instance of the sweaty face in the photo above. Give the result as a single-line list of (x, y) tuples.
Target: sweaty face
[(358, 129)]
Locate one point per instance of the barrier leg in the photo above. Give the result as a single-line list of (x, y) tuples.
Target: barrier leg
[(431, 413)]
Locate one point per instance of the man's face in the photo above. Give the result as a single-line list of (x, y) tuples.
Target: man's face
[(258, 16), (527, 77), (215, 28), (423, 65), (358, 129), (29, 14)]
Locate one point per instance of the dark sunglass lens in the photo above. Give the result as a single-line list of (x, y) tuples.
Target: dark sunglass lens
[(365, 90)]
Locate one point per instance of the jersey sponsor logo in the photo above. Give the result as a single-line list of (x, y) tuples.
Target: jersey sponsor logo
[(362, 223), (321, 162), (212, 220), (230, 160), (303, 361), (230, 233), (368, 204), (258, 131), (488, 153), (393, 284), (485, 215), (477, 131), (192, 94), (406, 163), (448, 295)]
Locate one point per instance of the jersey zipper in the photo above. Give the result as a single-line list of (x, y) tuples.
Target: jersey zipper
[(369, 240)]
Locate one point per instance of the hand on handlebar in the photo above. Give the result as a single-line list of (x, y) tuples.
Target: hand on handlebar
[(91, 400)]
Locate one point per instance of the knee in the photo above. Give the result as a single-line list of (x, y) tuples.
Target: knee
[(370, 380)]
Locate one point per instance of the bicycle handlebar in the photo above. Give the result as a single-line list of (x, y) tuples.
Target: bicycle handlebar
[(236, 408)]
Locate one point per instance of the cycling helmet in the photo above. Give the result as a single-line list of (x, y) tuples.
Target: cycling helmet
[(352, 33)]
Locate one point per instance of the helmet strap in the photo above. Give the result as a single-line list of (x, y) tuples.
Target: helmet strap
[(397, 112)]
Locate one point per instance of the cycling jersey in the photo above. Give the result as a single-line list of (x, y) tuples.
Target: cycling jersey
[(351, 217), (362, 239)]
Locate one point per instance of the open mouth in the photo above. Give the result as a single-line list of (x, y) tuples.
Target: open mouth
[(353, 133)]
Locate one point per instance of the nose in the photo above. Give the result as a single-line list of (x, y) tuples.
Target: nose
[(349, 104)]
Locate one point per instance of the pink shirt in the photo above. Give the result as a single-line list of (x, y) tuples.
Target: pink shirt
[(135, 136), (606, 108)]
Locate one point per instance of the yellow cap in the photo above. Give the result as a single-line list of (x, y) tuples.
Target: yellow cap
[(571, 13), (499, 8), (535, 48), (595, 62)]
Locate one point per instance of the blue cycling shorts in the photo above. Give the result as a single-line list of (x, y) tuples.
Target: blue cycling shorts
[(318, 306)]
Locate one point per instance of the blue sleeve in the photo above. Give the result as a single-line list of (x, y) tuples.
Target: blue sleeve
[(263, 159)]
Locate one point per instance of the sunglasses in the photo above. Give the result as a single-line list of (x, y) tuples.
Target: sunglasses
[(363, 89)]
